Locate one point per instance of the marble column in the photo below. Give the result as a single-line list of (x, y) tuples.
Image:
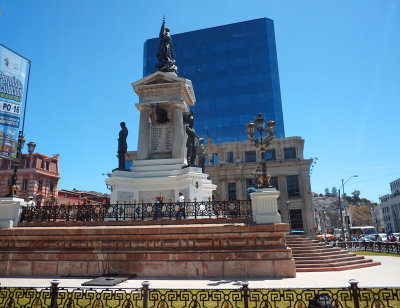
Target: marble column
[(144, 135), (178, 142)]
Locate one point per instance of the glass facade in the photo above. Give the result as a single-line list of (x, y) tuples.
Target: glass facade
[(234, 71)]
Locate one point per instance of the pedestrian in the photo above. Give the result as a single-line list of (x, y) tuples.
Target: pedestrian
[(157, 208), (31, 208), (180, 207)]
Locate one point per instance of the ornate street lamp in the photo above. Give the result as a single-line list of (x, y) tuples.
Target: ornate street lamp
[(31, 147), (13, 188), (262, 178)]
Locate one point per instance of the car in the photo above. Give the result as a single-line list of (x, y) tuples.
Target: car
[(381, 237), (367, 238)]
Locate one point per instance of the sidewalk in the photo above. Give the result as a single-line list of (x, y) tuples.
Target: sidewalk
[(385, 275)]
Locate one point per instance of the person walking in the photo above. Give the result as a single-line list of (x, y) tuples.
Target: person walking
[(181, 207)]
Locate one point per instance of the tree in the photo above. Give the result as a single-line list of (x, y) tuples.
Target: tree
[(327, 191), (356, 196), (334, 190)]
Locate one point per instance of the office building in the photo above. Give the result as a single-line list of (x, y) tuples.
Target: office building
[(234, 72)]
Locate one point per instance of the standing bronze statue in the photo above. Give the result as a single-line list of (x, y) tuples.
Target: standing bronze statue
[(202, 155), (122, 146), (165, 52), (191, 139)]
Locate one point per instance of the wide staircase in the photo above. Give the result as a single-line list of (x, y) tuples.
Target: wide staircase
[(313, 256)]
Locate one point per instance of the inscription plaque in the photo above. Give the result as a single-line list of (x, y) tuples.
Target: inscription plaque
[(124, 196), (161, 139)]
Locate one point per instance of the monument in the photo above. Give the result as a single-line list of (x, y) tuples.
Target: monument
[(167, 143)]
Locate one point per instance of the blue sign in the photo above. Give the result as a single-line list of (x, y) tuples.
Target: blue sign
[(13, 82)]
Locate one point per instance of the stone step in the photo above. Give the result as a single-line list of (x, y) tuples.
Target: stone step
[(338, 268), (328, 259), (332, 264), (314, 256)]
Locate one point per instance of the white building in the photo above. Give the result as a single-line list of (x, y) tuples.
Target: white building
[(390, 205)]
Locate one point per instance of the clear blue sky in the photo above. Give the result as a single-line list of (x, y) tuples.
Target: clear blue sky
[(339, 65)]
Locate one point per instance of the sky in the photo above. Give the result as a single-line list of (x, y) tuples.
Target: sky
[(339, 67)]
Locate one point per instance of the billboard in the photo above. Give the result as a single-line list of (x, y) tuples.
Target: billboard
[(14, 76)]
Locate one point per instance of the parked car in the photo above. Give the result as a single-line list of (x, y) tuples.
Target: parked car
[(381, 237), (367, 238)]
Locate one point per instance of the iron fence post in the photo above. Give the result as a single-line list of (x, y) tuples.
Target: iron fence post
[(54, 293), (354, 290), (145, 290), (245, 289)]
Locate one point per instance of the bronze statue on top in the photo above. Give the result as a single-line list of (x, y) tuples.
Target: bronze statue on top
[(165, 52)]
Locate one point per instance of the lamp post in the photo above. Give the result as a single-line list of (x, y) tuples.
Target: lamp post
[(262, 177), (13, 188), (340, 205)]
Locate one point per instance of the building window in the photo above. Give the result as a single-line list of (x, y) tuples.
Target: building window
[(51, 187), (230, 157), (232, 191), (40, 187), (215, 159), (296, 220), (274, 182), (28, 163), (293, 187), (250, 156), (270, 155), (66, 196), (25, 184), (47, 165), (289, 153)]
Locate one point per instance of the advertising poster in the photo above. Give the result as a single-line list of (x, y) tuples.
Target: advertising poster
[(13, 79)]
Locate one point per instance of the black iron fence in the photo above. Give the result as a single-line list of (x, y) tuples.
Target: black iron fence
[(244, 297), (140, 211), (388, 247)]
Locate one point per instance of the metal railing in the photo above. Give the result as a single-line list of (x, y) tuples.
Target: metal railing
[(245, 297), (387, 247), (140, 211)]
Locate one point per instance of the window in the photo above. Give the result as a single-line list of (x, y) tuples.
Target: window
[(296, 220), (51, 187), (289, 153), (270, 155), (66, 196), (25, 184), (250, 156), (215, 158), (28, 163), (232, 191), (274, 182), (230, 157), (293, 187), (40, 187), (47, 165)]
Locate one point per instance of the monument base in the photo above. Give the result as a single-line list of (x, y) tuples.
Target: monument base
[(10, 211), (265, 206), (184, 251), (149, 179)]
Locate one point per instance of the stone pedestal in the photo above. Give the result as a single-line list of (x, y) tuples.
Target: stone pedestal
[(10, 211), (161, 165), (265, 206), (152, 178)]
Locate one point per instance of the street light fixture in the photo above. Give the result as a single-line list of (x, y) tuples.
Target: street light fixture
[(340, 207), (13, 188), (262, 177)]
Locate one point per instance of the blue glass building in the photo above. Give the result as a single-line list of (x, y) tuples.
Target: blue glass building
[(234, 71)]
